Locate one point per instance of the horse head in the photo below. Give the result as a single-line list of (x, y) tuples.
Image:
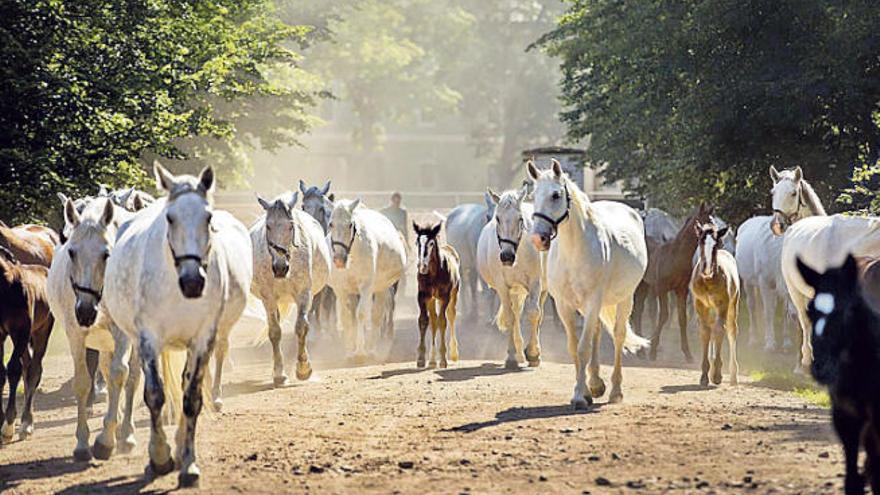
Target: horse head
[(709, 237), (188, 214), (509, 222), (552, 203), (280, 231), (833, 313), (91, 237), (788, 198), (318, 203), (427, 245), (343, 231)]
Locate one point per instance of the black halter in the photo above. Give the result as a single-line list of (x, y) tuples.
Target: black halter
[(556, 222), (502, 240), (86, 290), (347, 247), (280, 250)]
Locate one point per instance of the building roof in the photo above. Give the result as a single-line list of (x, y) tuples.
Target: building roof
[(553, 150)]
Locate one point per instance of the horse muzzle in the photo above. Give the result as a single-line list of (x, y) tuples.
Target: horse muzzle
[(192, 283), (423, 269), (508, 258), (280, 269), (341, 261), (86, 313)]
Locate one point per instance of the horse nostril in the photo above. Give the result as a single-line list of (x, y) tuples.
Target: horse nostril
[(192, 286), (85, 313)]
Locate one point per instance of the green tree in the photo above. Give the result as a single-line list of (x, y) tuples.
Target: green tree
[(93, 88), (694, 99)]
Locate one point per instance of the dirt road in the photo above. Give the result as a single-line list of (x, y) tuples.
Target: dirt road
[(472, 428)]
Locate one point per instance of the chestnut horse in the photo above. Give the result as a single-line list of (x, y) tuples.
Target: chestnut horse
[(30, 244), (439, 282), (669, 270), (26, 319)]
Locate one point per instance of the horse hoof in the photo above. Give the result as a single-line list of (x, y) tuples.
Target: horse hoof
[(432, 364), (101, 451), (82, 455), (127, 445), (6, 432), (453, 356), (420, 363), (716, 379), (598, 390), (154, 469), (218, 404), (733, 381), (770, 347), (303, 372), (534, 363), (443, 364), (26, 431), (581, 404), (280, 381), (704, 381), (511, 364), (189, 478), (616, 397)]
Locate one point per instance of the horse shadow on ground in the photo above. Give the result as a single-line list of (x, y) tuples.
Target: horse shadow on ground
[(691, 387), (399, 372), (120, 484), (485, 369), (13, 474), (516, 414)]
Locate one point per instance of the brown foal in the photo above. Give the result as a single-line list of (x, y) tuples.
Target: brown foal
[(439, 282)]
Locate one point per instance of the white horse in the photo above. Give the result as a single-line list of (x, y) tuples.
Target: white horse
[(822, 242), (463, 227), (512, 266), (593, 268), (75, 289), (291, 264), (179, 278), (369, 258)]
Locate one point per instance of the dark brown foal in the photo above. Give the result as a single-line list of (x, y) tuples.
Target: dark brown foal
[(669, 270), (439, 282), (24, 318)]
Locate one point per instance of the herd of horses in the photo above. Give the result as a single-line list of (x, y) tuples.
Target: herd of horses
[(155, 286)]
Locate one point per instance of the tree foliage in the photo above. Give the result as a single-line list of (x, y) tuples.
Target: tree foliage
[(697, 98), (93, 88)]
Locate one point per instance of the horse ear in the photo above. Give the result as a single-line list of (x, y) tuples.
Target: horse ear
[(488, 199), (326, 189), (698, 230), (103, 191), (291, 204), (557, 167), (850, 268), (722, 232), (164, 179), (107, 215), (123, 198), (71, 216), (435, 231), (206, 179), (302, 187), (798, 174), (416, 227), (138, 203), (533, 171), (810, 276), (63, 198), (265, 204), (331, 197), (494, 195), (354, 204), (774, 174)]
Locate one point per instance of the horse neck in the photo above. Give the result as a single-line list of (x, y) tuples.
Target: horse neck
[(810, 205), (685, 238), (435, 265), (571, 231)]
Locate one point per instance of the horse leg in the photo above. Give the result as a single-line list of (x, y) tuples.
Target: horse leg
[(621, 324), (504, 320), (221, 350), (717, 338), (594, 378), (196, 368), (731, 329), (753, 292), (872, 464), (639, 306), (768, 304), (442, 306), (681, 299), (82, 388), (789, 327), (14, 370), (379, 319), (39, 342), (451, 313), (661, 321), (568, 315), (535, 315), (849, 429), (432, 316), (92, 358), (161, 462), (471, 282), (2, 371), (800, 303), (518, 301), (303, 365), (704, 317), (279, 378), (364, 317), (125, 435), (584, 350), (424, 319), (105, 443)]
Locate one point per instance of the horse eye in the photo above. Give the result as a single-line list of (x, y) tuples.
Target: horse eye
[(556, 195), (169, 219), (105, 255), (72, 254)]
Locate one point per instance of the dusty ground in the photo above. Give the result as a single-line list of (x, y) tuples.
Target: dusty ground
[(473, 428)]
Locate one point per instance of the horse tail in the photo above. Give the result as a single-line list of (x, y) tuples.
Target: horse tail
[(173, 364), (633, 342)]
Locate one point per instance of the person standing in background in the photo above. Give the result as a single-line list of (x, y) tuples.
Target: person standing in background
[(400, 218)]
